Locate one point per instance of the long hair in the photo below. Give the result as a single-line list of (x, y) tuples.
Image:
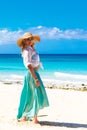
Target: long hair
[(24, 45)]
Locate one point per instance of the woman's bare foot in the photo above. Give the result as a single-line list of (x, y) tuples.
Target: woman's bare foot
[(22, 119), (35, 121)]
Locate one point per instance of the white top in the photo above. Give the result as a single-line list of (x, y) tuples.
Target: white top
[(30, 56)]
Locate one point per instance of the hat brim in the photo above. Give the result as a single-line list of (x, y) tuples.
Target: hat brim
[(36, 38)]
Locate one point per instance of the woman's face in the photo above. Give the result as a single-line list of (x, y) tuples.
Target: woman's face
[(29, 41)]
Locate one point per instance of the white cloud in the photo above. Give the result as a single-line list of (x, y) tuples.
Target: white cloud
[(8, 36)]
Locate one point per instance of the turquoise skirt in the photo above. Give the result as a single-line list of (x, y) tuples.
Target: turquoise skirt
[(32, 97)]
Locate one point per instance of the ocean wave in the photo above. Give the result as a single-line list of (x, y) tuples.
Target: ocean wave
[(11, 78), (16, 76), (56, 77), (58, 74), (72, 77)]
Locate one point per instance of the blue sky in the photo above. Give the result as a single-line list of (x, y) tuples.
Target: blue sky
[(61, 24)]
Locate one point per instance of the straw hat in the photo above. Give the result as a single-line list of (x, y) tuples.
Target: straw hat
[(26, 35)]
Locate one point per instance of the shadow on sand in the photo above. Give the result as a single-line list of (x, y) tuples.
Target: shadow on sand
[(63, 124)]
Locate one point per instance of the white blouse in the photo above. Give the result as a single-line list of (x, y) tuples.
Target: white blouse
[(30, 56)]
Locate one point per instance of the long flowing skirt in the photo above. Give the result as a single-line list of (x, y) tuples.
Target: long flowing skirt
[(32, 97)]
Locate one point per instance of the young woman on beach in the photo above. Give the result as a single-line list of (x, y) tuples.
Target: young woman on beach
[(33, 96)]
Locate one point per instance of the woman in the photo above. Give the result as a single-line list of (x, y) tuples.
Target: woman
[(33, 96)]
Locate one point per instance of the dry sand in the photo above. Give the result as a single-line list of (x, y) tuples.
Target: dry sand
[(67, 110)]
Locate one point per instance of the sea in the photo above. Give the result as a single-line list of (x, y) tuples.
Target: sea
[(59, 67)]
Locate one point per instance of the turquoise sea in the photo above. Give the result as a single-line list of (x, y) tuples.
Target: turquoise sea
[(56, 66)]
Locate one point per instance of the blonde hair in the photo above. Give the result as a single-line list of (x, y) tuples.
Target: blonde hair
[(24, 45)]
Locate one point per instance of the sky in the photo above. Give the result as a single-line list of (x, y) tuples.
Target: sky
[(61, 25)]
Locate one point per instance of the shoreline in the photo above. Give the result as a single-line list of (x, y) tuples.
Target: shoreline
[(52, 84)]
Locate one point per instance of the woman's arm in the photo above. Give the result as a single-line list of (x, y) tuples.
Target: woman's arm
[(34, 75)]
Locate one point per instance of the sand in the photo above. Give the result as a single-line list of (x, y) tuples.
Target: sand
[(67, 110)]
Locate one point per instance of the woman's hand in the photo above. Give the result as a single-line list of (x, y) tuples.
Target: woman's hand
[(37, 82)]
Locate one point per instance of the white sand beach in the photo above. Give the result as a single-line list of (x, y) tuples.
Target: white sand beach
[(67, 110)]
